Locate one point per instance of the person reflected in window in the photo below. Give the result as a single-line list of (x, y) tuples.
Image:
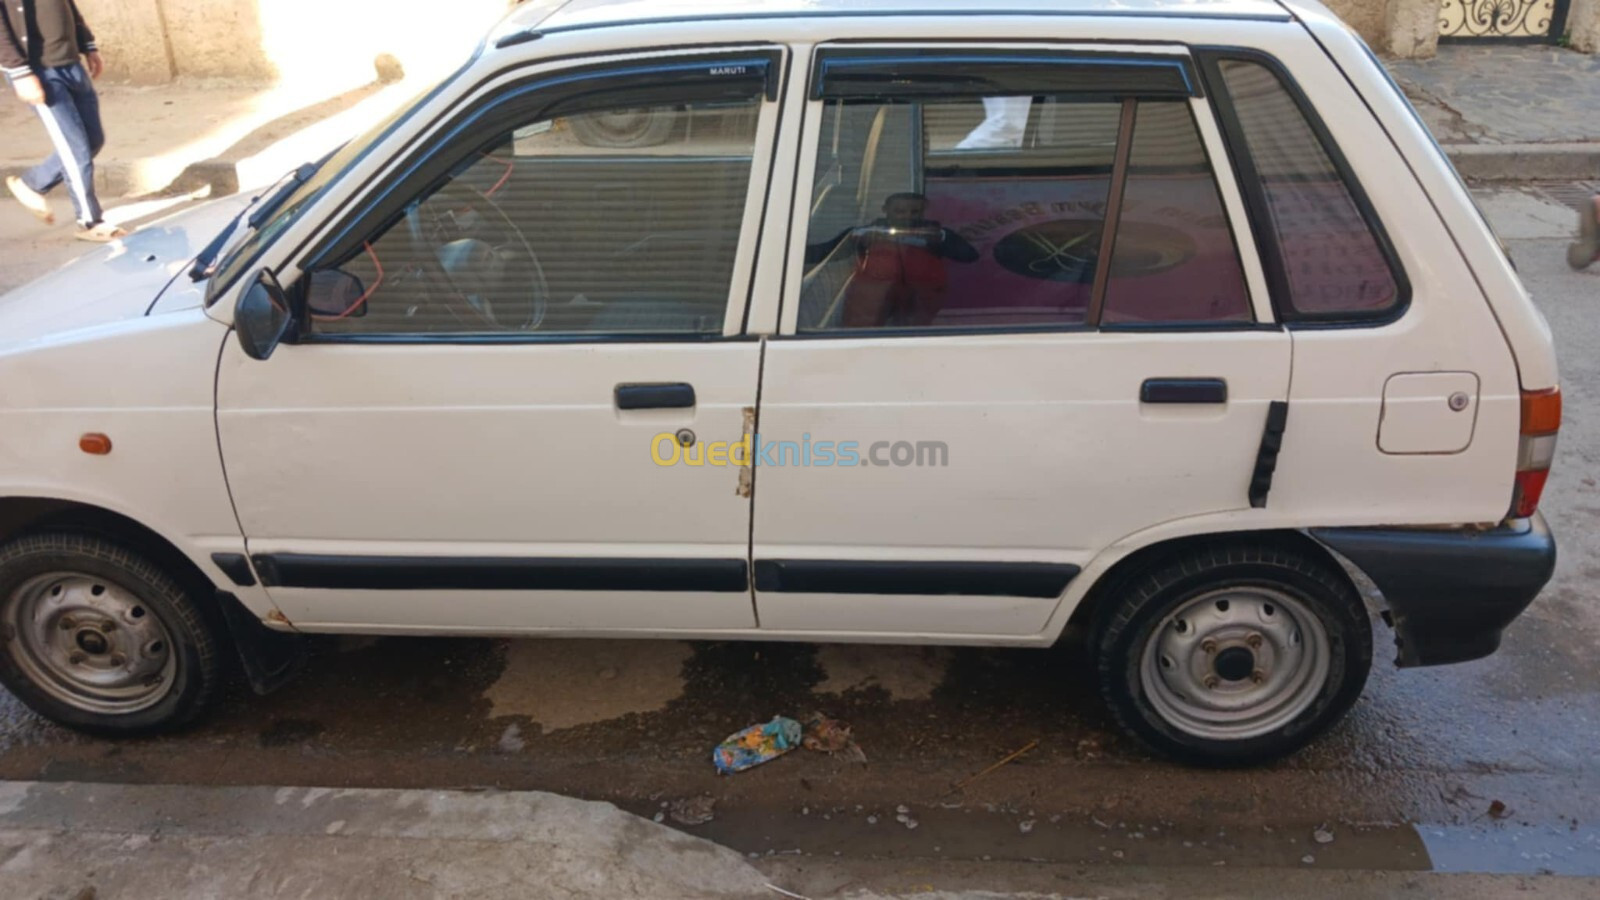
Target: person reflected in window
[(1005, 124), (900, 279)]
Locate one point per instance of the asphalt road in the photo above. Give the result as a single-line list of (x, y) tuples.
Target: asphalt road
[(1483, 767)]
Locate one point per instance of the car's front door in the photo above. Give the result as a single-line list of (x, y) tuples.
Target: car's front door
[(461, 435), (1038, 337)]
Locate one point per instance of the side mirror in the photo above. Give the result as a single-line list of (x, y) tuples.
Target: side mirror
[(262, 317), (335, 294)]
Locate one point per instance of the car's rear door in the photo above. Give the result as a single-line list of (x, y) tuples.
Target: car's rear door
[(1070, 342), (461, 439)]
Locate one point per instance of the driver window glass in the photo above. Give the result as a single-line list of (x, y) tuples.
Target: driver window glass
[(613, 223)]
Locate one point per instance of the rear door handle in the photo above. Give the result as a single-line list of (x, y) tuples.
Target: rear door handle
[(1183, 390), (655, 396)]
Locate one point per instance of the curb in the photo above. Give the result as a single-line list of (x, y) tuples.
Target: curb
[(1577, 160), (194, 841), (126, 178)]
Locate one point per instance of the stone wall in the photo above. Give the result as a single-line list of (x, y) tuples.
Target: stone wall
[(152, 41), (1583, 24), (133, 37), (1365, 16)]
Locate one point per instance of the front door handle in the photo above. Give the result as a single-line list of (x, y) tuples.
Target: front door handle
[(1183, 390), (655, 396)]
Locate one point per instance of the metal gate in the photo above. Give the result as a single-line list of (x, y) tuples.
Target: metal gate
[(1503, 21)]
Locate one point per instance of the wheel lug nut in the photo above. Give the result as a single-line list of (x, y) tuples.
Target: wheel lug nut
[(67, 624), (1211, 681), (118, 660), (76, 659), (1208, 645), (109, 626), (1254, 641), (1258, 676)]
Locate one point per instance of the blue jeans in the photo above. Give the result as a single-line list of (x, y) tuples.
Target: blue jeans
[(71, 113)]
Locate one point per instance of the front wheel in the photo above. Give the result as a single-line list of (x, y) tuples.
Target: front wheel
[(1235, 653), (101, 639)]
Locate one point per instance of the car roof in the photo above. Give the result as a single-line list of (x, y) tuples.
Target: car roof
[(564, 15)]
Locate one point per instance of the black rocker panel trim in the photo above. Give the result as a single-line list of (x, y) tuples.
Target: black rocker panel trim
[(978, 579), (420, 573)]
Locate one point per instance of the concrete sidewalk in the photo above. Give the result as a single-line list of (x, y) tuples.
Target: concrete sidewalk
[(75, 840), (83, 841)]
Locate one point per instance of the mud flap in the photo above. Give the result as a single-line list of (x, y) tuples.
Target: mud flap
[(270, 658)]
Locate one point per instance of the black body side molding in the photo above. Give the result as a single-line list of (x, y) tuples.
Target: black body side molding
[(421, 573), (236, 567), (1267, 455), (1451, 592), (826, 576)]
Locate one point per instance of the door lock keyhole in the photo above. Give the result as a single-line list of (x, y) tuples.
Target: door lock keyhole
[(685, 437)]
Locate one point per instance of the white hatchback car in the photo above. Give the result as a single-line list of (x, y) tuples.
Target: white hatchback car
[(899, 322)]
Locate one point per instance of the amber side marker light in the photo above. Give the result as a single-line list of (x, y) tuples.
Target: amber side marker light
[(95, 444), (1541, 419)]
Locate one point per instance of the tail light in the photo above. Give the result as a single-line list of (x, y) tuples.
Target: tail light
[(1541, 419)]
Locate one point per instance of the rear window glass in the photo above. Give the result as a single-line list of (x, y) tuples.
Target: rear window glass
[(1174, 260), (1332, 260), (993, 212)]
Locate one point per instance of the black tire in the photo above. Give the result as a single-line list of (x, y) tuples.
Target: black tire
[(1127, 626), (624, 129), (195, 671)]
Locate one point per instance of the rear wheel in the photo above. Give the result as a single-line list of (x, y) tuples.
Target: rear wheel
[(99, 638), (1235, 653)]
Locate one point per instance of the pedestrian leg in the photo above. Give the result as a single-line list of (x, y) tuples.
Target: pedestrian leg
[(73, 161), (1586, 249)]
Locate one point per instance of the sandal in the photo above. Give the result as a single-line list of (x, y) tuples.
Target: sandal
[(101, 233), (1586, 248), (31, 200)]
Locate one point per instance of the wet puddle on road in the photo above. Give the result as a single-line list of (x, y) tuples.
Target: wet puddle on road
[(563, 684), (633, 722), (905, 673)]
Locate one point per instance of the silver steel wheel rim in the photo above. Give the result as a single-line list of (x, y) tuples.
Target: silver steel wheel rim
[(90, 643), (1235, 663), (624, 124)]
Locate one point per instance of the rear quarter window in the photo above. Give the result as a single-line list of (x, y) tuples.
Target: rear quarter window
[(1332, 259)]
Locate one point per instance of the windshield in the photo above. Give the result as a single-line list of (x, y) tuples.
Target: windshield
[(247, 245)]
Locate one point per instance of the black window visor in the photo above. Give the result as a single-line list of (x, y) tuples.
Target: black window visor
[(888, 74)]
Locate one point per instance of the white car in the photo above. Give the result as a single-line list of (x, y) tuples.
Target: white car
[(957, 327)]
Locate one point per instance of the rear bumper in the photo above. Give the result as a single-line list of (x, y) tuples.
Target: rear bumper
[(1451, 593)]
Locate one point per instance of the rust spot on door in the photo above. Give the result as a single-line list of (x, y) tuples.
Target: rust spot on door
[(747, 480)]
